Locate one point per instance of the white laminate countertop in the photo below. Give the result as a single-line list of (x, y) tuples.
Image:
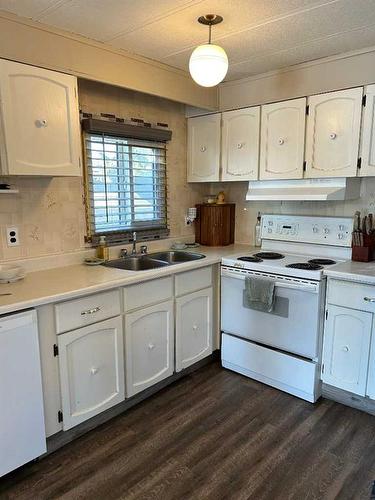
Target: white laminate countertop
[(360, 272), (62, 283)]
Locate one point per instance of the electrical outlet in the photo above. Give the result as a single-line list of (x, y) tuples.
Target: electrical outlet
[(13, 239)]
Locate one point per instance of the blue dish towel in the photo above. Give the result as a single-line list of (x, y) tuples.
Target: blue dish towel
[(259, 293)]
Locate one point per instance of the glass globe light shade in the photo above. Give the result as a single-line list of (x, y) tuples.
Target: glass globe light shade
[(208, 65)]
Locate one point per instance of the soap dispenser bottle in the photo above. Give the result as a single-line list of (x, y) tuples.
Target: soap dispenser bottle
[(102, 251), (257, 239)]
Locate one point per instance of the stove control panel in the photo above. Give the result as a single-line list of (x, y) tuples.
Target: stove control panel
[(335, 231)]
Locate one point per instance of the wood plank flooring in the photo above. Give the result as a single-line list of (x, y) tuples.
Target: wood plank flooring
[(212, 435)]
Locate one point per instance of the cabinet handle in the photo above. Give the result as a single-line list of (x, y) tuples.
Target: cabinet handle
[(90, 311), (203, 149), (281, 141), (345, 348), (332, 135), (94, 371), (369, 299), (240, 145), (151, 346), (41, 123)]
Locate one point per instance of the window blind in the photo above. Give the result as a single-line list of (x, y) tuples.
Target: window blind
[(126, 186)]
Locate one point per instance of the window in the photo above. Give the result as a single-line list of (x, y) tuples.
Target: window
[(126, 186)]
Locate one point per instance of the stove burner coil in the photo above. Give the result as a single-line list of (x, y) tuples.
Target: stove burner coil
[(269, 255), (322, 262), (250, 258), (307, 266)]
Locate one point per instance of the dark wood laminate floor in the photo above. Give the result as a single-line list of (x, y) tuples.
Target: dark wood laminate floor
[(212, 435)]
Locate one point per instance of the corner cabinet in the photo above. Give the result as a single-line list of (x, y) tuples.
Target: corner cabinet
[(40, 131), (149, 346), (91, 362), (332, 134), (368, 134), (204, 134), (240, 144), (283, 140)]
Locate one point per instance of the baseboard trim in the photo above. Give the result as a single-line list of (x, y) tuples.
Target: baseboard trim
[(64, 437), (349, 399)]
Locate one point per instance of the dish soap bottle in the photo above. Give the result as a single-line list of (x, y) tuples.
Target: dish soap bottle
[(102, 251), (257, 239)]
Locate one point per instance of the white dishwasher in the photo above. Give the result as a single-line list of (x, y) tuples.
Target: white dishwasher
[(22, 430)]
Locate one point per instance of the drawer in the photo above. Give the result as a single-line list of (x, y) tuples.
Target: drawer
[(147, 293), (190, 281), (351, 294), (76, 313)]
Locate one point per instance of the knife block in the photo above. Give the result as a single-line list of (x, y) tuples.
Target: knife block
[(365, 253)]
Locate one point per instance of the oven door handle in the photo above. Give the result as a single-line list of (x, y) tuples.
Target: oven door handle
[(305, 287)]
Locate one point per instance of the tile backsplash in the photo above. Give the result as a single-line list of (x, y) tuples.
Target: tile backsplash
[(49, 212)]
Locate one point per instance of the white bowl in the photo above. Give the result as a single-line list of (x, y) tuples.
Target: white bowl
[(9, 271)]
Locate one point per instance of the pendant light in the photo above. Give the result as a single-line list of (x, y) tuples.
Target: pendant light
[(208, 63)]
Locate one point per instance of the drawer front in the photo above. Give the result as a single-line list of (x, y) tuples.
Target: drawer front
[(147, 293), (351, 294), (190, 281), (81, 312)]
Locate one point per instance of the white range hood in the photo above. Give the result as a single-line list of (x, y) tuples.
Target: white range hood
[(340, 188)]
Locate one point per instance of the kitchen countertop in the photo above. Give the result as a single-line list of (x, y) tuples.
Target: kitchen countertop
[(62, 283), (361, 272)]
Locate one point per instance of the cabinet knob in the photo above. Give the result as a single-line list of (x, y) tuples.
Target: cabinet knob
[(369, 299), (240, 145), (281, 141), (203, 149), (332, 135), (151, 346), (345, 348), (41, 123), (195, 328), (94, 370)]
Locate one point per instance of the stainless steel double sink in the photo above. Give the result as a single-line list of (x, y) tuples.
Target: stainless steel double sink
[(153, 260)]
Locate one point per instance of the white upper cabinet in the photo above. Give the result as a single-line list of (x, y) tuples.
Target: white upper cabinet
[(283, 140), (40, 122), (346, 349), (204, 148), (240, 144), (368, 134), (332, 136)]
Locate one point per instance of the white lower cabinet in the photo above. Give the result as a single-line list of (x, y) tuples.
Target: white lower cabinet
[(91, 364), (193, 328), (346, 349), (149, 346)]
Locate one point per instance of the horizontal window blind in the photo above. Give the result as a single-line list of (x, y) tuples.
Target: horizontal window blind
[(126, 185)]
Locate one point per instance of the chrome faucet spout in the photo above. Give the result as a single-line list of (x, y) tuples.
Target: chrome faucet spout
[(134, 249)]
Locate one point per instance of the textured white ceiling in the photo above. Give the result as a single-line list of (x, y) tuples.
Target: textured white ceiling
[(258, 35)]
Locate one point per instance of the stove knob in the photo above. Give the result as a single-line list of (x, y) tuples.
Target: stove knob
[(340, 236), (326, 230), (269, 230), (315, 230), (341, 227)]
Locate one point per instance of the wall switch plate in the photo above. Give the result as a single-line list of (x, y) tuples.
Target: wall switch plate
[(13, 239)]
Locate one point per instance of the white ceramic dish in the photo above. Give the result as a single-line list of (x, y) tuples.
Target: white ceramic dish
[(178, 246), (12, 280), (93, 261), (9, 272)]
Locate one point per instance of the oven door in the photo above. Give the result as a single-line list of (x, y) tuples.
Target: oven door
[(292, 326)]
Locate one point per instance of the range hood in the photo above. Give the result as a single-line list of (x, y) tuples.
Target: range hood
[(340, 188)]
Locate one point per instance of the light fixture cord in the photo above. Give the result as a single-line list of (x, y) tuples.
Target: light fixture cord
[(209, 33)]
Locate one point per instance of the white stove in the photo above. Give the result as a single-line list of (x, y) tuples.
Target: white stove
[(283, 348)]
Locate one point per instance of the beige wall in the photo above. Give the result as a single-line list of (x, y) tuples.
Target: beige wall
[(323, 75), (246, 211), (50, 212), (41, 45)]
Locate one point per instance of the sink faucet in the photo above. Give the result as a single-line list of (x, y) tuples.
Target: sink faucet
[(134, 249)]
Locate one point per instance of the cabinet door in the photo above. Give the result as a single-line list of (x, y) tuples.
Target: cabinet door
[(332, 136), (149, 346), (346, 349), (240, 144), (204, 148), (283, 140), (91, 363), (370, 390), (193, 328), (40, 121), (368, 134)]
